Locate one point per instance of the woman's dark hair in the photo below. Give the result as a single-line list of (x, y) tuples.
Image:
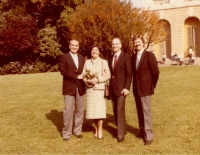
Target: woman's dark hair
[(138, 37), (98, 47)]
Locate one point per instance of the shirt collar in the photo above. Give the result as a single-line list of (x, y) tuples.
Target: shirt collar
[(140, 52), (72, 54), (118, 53), (94, 61)]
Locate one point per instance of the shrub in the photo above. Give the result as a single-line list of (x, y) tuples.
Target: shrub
[(18, 67)]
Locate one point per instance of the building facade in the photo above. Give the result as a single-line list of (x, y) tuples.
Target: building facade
[(182, 19)]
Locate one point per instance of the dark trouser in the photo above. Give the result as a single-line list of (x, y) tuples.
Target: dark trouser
[(118, 103)]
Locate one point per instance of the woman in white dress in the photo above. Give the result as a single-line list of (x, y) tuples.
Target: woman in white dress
[(96, 73)]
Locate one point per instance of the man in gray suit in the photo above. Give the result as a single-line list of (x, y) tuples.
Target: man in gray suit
[(121, 76), (145, 77), (71, 66)]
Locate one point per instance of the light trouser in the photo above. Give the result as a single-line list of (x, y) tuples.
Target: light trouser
[(73, 112)]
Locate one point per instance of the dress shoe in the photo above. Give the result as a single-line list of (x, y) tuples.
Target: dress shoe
[(119, 140), (79, 136), (148, 142)]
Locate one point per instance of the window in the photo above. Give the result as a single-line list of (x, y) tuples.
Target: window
[(192, 36), (161, 1), (190, 0)]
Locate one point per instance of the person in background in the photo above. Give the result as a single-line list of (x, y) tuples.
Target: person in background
[(71, 67), (145, 77), (95, 74), (121, 76), (191, 54)]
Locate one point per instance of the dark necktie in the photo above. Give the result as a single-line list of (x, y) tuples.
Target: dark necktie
[(115, 61)]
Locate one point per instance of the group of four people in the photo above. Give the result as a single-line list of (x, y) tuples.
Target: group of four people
[(89, 77)]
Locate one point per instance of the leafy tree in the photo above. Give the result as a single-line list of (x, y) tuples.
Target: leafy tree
[(61, 27), (101, 20), (18, 35), (48, 11), (14, 5), (48, 42)]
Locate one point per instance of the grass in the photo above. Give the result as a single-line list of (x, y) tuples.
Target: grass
[(31, 117)]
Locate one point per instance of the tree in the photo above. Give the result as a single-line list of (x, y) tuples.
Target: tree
[(14, 5), (101, 20), (48, 11), (48, 43), (18, 34)]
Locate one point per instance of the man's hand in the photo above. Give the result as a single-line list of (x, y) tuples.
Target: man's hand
[(125, 92), (80, 76)]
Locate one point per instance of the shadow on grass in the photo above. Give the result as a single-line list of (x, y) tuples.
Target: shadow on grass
[(113, 130), (56, 118)]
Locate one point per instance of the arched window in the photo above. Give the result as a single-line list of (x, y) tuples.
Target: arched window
[(192, 35), (165, 46)]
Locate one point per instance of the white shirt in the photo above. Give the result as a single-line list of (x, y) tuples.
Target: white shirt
[(116, 54), (94, 62), (75, 58), (139, 54)]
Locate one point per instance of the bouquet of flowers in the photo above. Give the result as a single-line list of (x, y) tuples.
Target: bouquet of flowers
[(89, 76)]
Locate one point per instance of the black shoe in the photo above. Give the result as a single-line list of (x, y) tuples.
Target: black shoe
[(65, 139), (148, 142), (79, 136), (119, 140)]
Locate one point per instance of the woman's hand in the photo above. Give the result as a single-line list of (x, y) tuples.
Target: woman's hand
[(92, 81), (95, 80), (104, 73), (89, 81)]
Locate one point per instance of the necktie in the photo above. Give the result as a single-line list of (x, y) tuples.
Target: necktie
[(115, 61)]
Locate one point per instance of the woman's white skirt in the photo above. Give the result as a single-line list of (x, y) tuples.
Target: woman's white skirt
[(95, 104)]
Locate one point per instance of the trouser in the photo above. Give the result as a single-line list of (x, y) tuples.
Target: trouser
[(143, 105), (73, 112), (118, 103)]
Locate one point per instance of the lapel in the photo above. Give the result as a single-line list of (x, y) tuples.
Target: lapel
[(71, 60), (79, 62), (134, 61), (118, 61), (141, 59), (110, 63)]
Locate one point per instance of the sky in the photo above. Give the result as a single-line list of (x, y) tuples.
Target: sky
[(137, 3)]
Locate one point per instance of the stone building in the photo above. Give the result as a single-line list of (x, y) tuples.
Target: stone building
[(182, 19)]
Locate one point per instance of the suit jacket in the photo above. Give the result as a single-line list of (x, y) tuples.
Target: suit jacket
[(69, 72), (145, 77), (121, 75)]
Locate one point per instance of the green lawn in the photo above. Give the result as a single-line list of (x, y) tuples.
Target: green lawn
[(31, 117)]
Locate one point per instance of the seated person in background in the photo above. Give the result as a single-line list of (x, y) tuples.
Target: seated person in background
[(174, 57)]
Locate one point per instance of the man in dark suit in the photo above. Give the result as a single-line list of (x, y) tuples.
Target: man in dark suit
[(121, 76), (145, 77), (71, 66)]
